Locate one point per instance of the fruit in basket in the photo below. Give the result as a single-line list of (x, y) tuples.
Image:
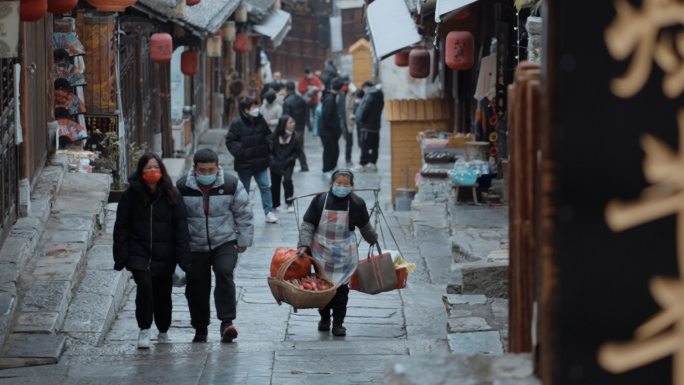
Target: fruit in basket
[(310, 283), (300, 267)]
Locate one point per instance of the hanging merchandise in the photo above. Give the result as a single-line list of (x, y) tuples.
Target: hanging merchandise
[(240, 44), (228, 30), (70, 73), (68, 44), (161, 47), (460, 49), (61, 6), (67, 100), (401, 59), (189, 63), (71, 130), (111, 5), (241, 14), (190, 3), (419, 63), (32, 10), (9, 24)]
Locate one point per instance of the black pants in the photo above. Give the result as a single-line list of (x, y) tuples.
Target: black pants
[(286, 179), (338, 305), (369, 147), (302, 154), (350, 144), (198, 290), (331, 151), (153, 300), (310, 111)]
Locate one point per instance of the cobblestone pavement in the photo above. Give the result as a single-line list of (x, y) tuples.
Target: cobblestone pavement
[(276, 345)]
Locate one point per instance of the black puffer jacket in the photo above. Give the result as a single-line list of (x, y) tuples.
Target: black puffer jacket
[(329, 124), (284, 155), (153, 236), (369, 115), (295, 106), (250, 143)]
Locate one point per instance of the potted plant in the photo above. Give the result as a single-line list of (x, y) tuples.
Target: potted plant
[(108, 162)]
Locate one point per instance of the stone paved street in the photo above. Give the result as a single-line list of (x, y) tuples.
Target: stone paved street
[(276, 345)]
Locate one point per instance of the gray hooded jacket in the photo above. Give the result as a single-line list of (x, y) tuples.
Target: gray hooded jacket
[(230, 212)]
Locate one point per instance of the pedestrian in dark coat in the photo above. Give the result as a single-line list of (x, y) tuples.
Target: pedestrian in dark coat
[(249, 140), (286, 149), (368, 119), (295, 107), (150, 238), (329, 74), (329, 128)]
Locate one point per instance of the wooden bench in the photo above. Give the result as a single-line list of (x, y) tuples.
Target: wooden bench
[(457, 188)]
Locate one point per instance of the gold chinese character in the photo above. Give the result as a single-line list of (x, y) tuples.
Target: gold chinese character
[(662, 335)]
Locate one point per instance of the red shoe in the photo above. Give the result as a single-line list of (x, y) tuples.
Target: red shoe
[(229, 333)]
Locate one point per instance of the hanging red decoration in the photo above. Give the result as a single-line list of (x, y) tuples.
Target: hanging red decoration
[(401, 59), (240, 44), (61, 6), (190, 63), (255, 41), (32, 10), (419, 63), (111, 5), (460, 50), (161, 47), (190, 3), (219, 33)]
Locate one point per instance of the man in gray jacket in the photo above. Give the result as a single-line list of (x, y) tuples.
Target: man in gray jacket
[(221, 226)]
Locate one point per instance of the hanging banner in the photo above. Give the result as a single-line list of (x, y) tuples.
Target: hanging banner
[(9, 29)]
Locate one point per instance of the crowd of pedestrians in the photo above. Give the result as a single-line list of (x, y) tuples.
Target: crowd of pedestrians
[(204, 221)]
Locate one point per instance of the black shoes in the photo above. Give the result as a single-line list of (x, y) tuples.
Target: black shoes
[(323, 326), (339, 330), (228, 332), (200, 335)]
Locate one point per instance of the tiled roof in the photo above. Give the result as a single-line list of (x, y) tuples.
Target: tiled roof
[(164, 7), (209, 15), (258, 8)]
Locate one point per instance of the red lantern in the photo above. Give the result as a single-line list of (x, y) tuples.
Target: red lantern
[(190, 3), (190, 63), (111, 5), (460, 50), (161, 48), (219, 33), (401, 59), (32, 10), (419, 63), (61, 6), (240, 44)]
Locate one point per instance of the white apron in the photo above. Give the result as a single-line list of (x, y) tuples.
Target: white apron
[(334, 246)]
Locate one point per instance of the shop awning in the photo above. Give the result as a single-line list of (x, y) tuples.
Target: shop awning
[(391, 27), (276, 24), (445, 9), (209, 15)]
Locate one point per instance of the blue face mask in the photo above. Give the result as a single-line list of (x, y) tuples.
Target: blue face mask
[(206, 180), (341, 192)]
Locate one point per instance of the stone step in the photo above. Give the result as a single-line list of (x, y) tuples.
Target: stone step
[(58, 265), (488, 278), (98, 299), (24, 237)]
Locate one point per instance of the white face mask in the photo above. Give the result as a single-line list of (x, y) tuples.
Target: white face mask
[(254, 113), (309, 76), (288, 132)]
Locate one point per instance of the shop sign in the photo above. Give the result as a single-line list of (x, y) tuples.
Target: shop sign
[(9, 29)]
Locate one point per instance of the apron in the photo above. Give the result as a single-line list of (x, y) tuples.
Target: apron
[(334, 246)]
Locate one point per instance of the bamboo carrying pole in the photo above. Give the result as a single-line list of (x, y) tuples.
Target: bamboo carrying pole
[(292, 199)]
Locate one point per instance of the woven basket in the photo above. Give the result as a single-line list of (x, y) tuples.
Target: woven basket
[(299, 298)]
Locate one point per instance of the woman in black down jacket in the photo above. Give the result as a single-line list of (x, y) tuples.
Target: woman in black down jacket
[(150, 238), (286, 148)]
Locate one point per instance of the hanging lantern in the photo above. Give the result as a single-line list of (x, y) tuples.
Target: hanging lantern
[(9, 22), (161, 48), (228, 31), (214, 46), (219, 33), (189, 63), (401, 59), (241, 14), (460, 49), (32, 10), (111, 5), (180, 11), (240, 44), (190, 3), (419, 63), (61, 6)]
